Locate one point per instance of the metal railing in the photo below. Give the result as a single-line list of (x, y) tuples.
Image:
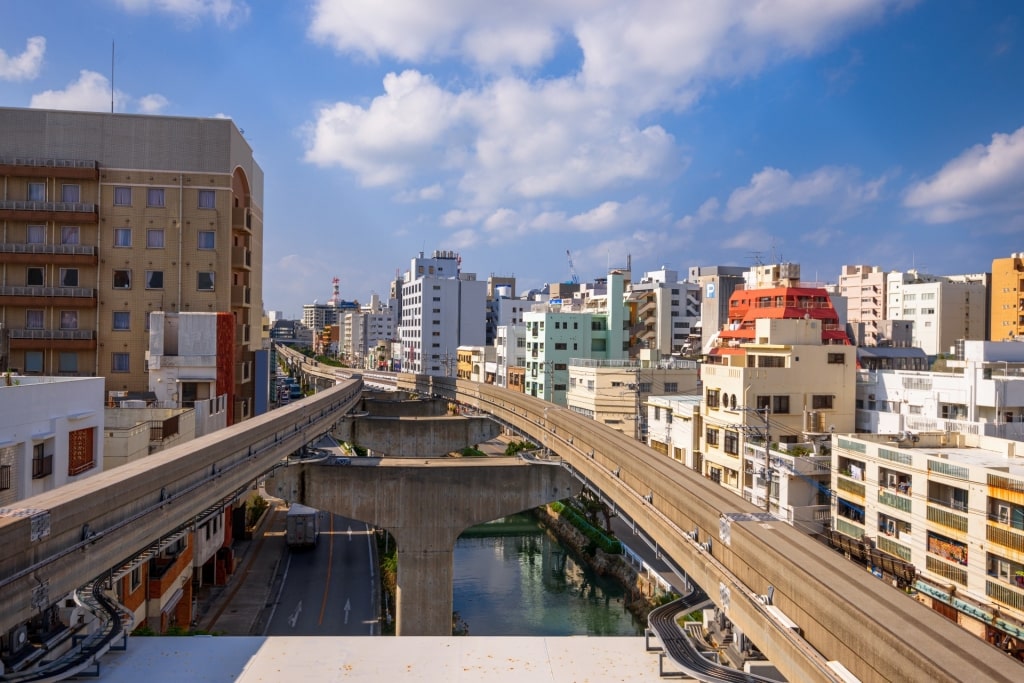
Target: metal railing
[(52, 334), (78, 249), (26, 205), (47, 163), (76, 292)]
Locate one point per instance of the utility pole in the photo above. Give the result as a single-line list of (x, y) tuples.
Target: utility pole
[(769, 471)]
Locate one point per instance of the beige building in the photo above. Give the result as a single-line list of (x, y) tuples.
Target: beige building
[(864, 290), (787, 387), (952, 505), (105, 218), (614, 391), (1007, 298)]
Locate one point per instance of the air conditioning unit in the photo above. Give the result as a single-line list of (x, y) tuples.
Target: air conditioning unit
[(17, 640), (890, 527), (892, 481)]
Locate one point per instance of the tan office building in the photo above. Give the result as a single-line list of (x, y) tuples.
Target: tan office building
[(1007, 305), (105, 218)]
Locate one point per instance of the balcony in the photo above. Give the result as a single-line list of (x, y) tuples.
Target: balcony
[(74, 297), (241, 219), (242, 333), (63, 340), (241, 258), (240, 295), (31, 167), (64, 212), (44, 254), (243, 372)]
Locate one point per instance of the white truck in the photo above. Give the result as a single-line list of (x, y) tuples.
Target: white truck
[(303, 526)]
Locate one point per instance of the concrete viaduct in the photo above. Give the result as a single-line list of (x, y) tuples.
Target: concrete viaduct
[(57, 541)]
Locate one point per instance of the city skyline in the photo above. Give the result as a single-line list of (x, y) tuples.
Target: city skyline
[(884, 133)]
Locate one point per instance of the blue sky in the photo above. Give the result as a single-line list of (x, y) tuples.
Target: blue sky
[(889, 133)]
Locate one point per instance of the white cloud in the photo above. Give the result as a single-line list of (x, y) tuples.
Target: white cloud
[(982, 180), (773, 189), (460, 217), (705, 212), (25, 66), (223, 12), (749, 240), (821, 237), (91, 92), (152, 104)]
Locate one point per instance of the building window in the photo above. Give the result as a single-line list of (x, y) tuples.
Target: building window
[(711, 436), (119, 362), (122, 196), (732, 443), (155, 197), (561, 346), (821, 402), (136, 580), (154, 279), (70, 234), (207, 199), (80, 451), (837, 358), (37, 192), (204, 281), (42, 464), (67, 362), (712, 398), (34, 319), (5, 477), (780, 404), (33, 362), (69, 320), (72, 194), (122, 237), (155, 238), (122, 279), (34, 276), (671, 387), (69, 277), (122, 320), (207, 239), (35, 234)]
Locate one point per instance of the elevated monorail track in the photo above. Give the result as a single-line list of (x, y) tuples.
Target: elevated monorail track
[(59, 540), (727, 545)]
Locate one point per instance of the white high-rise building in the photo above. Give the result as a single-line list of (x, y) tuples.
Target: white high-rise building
[(944, 309), (442, 309), (667, 311)]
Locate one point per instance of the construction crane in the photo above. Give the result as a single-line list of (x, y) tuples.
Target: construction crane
[(573, 277)]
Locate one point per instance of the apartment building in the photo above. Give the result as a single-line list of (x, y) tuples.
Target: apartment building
[(442, 309), (557, 333), (665, 312), (510, 352), (105, 218), (864, 289), (1007, 298), (981, 393), (789, 389), (943, 309), (675, 428), (951, 505), (613, 392)]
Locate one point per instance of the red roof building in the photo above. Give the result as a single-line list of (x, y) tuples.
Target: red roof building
[(748, 305)]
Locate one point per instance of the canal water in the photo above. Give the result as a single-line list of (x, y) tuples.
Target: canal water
[(514, 579)]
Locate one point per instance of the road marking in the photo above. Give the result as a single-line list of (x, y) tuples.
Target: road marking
[(348, 606), (294, 618), (349, 533), (327, 581)]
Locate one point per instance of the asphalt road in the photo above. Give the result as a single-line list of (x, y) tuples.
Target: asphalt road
[(331, 589)]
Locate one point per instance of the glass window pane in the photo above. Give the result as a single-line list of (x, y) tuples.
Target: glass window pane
[(34, 277), (33, 361), (119, 362), (155, 239), (68, 362), (207, 239), (122, 279), (37, 192), (69, 320), (34, 319), (122, 237), (155, 197), (70, 234), (35, 234), (122, 196), (207, 199), (205, 281), (71, 193), (121, 320), (69, 277), (154, 279)]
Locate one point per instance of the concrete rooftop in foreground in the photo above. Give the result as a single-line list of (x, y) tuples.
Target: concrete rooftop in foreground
[(221, 659)]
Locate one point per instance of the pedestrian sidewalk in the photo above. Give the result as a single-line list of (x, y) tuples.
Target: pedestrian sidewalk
[(242, 606)]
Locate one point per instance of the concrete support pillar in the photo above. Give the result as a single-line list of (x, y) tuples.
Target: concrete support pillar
[(425, 593)]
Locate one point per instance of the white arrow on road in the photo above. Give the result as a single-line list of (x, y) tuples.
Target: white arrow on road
[(348, 606), (350, 533), (295, 617)]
